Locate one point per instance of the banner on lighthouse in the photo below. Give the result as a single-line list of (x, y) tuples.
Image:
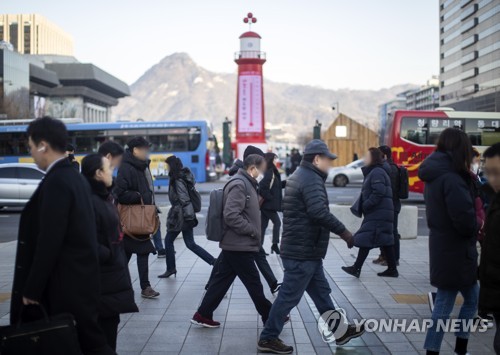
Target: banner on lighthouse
[(250, 104)]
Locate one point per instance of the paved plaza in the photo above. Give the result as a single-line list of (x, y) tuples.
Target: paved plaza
[(162, 326)]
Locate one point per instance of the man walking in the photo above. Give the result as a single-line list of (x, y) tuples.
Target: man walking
[(240, 243), (307, 223), (57, 262)]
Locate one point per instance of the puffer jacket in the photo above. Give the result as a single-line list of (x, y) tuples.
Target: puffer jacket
[(307, 221), (271, 189), (241, 214), (132, 184), (451, 218), (377, 206), (489, 270), (181, 215)]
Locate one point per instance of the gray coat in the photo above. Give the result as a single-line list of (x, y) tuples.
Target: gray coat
[(241, 214)]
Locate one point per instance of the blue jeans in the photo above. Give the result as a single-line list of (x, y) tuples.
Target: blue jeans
[(157, 239), (300, 276), (188, 236), (443, 305)]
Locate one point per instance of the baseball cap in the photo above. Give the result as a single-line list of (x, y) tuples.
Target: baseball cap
[(138, 142), (317, 146)]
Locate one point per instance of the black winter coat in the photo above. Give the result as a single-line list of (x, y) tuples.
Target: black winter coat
[(307, 221), (181, 215), (271, 189), (117, 295), (489, 270), (57, 260), (377, 206), (131, 185), (451, 218), (393, 171)]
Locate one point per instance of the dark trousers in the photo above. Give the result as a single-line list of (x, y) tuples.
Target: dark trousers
[(142, 268), (496, 341), (109, 326), (388, 252), (232, 264), (300, 276), (188, 236), (265, 216), (397, 238)]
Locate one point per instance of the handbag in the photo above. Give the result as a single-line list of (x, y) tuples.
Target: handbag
[(55, 335), (139, 221), (357, 207)]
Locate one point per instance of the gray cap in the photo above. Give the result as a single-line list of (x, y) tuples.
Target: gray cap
[(317, 146)]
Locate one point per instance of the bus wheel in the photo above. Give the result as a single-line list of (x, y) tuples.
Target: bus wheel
[(340, 181)]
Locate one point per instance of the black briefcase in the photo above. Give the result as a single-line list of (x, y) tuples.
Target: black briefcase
[(55, 335)]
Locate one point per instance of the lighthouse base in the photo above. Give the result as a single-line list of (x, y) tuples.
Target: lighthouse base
[(240, 148)]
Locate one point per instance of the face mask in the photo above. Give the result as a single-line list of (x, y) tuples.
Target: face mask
[(259, 177), (474, 168)]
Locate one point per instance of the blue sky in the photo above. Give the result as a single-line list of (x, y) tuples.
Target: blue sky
[(356, 44)]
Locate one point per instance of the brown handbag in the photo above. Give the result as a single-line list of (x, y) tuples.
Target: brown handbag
[(139, 221)]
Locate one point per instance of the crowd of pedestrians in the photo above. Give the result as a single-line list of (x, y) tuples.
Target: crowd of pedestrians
[(73, 249)]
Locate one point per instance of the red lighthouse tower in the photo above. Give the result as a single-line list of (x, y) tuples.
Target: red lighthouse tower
[(250, 101)]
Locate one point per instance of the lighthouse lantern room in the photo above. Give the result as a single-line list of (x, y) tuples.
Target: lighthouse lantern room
[(250, 123)]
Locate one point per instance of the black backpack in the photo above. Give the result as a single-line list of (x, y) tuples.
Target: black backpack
[(404, 183), (195, 197), (214, 223)]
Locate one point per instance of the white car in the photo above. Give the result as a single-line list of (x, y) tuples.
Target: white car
[(18, 181), (349, 174)]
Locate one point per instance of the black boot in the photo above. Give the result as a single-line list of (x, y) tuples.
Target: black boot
[(167, 274), (389, 273), (275, 249), (352, 270)]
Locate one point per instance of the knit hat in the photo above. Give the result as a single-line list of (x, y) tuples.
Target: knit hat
[(252, 150)]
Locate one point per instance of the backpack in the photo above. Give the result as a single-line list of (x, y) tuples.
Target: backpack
[(404, 183), (195, 197), (214, 223)]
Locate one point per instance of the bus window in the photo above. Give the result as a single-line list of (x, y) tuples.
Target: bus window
[(414, 129), (483, 132), (436, 126), (175, 139), (13, 144), (87, 141)]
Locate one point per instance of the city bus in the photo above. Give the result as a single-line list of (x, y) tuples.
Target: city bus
[(192, 141), (413, 135)]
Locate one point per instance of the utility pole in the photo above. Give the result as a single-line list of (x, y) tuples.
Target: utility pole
[(227, 157)]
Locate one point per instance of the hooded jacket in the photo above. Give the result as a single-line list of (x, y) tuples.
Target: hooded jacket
[(181, 215), (451, 218), (271, 189), (377, 206), (132, 182)]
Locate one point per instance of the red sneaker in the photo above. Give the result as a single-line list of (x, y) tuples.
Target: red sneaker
[(198, 319)]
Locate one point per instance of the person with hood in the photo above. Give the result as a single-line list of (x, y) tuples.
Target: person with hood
[(134, 185), (451, 217), (240, 242), (270, 189), (375, 204), (489, 268), (181, 217), (117, 295), (260, 258)]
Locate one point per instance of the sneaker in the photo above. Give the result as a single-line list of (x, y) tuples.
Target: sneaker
[(379, 260), (161, 254), (351, 333), (389, 273), (198, 319), (485, 317), (431, 298), (148, 292), (351, 270), (274, 346)]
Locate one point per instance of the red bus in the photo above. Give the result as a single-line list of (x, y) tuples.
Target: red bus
[(413, 135)]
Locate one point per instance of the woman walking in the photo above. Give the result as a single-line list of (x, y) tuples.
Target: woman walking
[(451, 217), (375, 205), (181, 217), (117, 295), (270, 189)]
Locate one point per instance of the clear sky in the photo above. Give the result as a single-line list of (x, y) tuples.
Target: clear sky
[(356, 44)]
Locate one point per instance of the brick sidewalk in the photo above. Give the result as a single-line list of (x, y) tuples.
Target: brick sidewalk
[(163, 327)]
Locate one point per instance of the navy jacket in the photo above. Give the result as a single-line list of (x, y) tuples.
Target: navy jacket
[(451, 218), (377, 206), (307, 221), (272, 194)]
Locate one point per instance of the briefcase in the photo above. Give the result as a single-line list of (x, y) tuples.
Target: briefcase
[(55, 335)]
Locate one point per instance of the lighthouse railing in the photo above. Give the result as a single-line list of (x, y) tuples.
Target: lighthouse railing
[(250, 55)]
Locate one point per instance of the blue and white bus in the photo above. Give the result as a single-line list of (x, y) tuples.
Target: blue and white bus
[(191, 141)]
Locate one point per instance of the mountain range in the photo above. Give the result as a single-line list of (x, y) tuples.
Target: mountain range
[(177, 88)]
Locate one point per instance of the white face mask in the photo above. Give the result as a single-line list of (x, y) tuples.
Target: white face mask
[(475, 168), (259, 177)]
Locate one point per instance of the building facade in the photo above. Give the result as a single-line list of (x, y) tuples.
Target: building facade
[(424, 99), (399, 103), (470, 54), (34, 34)]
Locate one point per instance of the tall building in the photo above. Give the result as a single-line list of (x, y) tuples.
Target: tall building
[(426, 98), (34, 34), (398, 103), (470, 54)]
